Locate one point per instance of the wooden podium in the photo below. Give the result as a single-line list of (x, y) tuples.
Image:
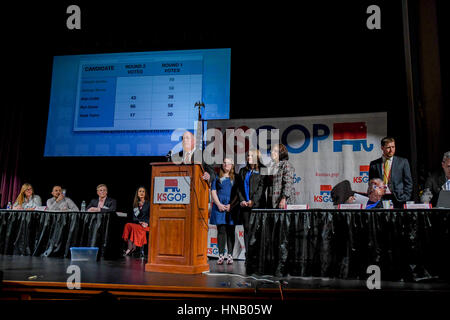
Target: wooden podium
[(178, 232)]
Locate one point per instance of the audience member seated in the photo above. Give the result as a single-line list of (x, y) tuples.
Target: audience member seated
[(342, 193), (375, 191), (135, 233), (103, 203), (27, 200), (59, 202)]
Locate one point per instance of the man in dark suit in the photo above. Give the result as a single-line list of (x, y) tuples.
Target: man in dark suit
[(437, 181), (394, 172), (192, 154), (103, 203)]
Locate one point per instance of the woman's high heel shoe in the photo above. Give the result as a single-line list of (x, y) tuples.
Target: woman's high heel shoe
[(128, 252)]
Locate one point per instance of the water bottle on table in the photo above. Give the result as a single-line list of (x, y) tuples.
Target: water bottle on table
[(83, 206), (9, 206)]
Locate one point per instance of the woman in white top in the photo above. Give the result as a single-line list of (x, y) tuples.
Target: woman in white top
[(27, 200)]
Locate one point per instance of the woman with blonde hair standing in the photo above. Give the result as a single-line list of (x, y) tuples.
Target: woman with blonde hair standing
[(27, 200)]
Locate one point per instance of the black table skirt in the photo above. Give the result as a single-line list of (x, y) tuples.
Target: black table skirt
[(52, 234), (408, 245)]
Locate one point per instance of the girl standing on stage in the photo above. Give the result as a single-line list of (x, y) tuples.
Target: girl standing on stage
[(251, 187), (135, 232), (224, 197)]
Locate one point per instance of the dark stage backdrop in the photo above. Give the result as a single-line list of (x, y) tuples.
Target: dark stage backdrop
[(314, 59)]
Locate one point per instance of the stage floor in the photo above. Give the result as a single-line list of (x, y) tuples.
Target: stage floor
[(115, 287), (131, 271)]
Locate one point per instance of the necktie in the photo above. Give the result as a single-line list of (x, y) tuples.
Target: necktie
[(187, 157), (386, 172)]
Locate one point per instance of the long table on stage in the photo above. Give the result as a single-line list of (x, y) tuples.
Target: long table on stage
[(407, 245), (52, 234)]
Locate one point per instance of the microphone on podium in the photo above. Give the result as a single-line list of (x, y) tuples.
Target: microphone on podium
[(169, 156)]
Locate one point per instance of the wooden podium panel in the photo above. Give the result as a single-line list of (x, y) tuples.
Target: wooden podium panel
[(178, 232)]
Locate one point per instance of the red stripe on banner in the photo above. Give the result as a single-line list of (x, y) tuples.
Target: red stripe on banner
[(171, 183), (364, 168), (349, 130), (326, 187)]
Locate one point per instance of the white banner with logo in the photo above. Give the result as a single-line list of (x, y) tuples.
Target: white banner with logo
[(239, 244), (324, 150)]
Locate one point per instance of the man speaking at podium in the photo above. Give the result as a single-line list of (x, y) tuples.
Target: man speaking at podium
[(190, 154)]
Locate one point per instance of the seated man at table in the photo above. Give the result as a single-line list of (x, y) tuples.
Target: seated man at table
[(376, 191), (342, 193), (59, 202), (103, 203), (437, 181)]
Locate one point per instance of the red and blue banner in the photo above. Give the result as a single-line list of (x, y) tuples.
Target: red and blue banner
[(324, 150)]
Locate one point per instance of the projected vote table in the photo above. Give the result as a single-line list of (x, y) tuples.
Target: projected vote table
[(138, 95)]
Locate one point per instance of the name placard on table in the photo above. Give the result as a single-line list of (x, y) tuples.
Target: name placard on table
[(297, 207), (417, 206), (350, 206)]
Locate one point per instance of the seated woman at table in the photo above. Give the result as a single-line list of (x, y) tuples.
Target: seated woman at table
[(135, 233), (250, 189), (103, 203), (59, 202), (375, 191), (281, 190), (27, 200)]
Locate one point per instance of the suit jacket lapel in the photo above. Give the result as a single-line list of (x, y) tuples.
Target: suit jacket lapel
[(393, 167), (380, 168), (442, 180)]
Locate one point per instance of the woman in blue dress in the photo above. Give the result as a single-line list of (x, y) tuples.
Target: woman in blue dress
[(224, 198)]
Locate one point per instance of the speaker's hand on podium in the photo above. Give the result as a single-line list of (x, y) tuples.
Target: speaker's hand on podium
[(206, 176)]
